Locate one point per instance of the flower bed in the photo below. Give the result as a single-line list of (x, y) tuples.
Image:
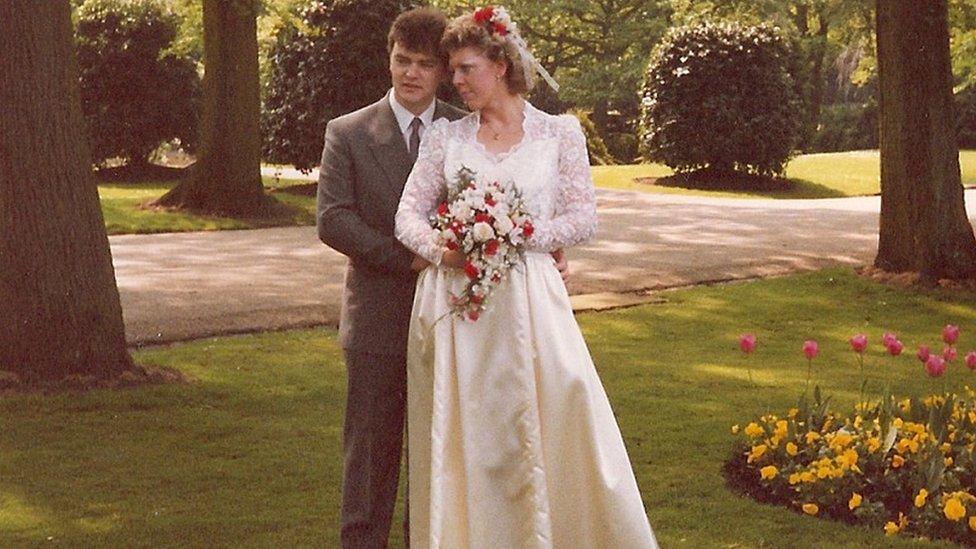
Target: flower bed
[(904, 465)]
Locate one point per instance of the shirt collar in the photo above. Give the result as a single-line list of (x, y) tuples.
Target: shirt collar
[(404, 117)]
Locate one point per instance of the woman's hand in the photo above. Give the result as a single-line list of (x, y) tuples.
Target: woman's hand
[(454, 259)]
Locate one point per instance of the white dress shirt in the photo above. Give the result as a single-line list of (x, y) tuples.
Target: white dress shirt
[(404, 117)]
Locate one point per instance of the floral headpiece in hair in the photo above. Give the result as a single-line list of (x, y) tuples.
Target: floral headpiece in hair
[(498, 22)]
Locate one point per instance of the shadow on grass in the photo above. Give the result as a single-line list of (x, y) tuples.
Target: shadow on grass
[(749, 185)]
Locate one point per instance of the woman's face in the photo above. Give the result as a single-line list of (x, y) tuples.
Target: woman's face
[(477, 79)]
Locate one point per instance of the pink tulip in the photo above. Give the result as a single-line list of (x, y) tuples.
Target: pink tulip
[(923, 353), (971, 360), (810, 349), (747, 342), (859, 343), (949, 354), (950, 334), (935, 366), (895, 347), (888, 338)]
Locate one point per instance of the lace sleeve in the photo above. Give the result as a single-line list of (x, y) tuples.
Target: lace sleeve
[(574, 219), (425, 186)]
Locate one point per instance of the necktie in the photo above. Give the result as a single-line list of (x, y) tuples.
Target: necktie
[(414, 142)]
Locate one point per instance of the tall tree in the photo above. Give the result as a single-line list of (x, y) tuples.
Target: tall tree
[(59, 303), (924, 226), (226, 178)]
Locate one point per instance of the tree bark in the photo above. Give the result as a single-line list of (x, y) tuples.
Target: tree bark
[(226, 178), (59, 303), (923, 225)]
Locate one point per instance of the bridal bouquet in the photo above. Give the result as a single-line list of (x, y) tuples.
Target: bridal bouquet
[(487, 221)]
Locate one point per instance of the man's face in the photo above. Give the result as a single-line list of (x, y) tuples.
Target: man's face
[(415, 77)]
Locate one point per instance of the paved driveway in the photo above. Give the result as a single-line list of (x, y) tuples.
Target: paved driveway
[(186, 285)]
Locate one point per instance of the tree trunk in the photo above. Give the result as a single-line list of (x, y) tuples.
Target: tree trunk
[(59, 303), (227, 176), (923, 222)]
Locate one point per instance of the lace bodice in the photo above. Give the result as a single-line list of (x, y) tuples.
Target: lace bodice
[(549, 165)]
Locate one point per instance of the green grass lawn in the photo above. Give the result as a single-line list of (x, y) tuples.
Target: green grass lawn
[(828, 175), (121, 206), (249, 453)]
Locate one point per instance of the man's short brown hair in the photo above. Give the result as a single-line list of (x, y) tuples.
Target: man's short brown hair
[(418, 30)]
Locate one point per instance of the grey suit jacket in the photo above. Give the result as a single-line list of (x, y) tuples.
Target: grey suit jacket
[(365, 164)]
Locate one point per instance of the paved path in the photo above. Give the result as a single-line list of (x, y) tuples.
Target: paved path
[(187, 285)]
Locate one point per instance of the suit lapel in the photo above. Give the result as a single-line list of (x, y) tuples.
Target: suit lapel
[(388, 146)]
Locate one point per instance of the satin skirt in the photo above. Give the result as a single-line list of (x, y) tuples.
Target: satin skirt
[(512, 442)]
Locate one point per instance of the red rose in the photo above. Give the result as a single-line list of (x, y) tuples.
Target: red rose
[(452, 245), (472, 271), (483, 218), (484, 15), (491, 247), (442, 208), (473, 315), (527, 229), (456, 227), (476, 299), (499, 29)]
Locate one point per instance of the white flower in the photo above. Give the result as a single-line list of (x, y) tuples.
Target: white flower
[(447, 235), (461, 211), (482, 231), (504, 224), (474, 198)]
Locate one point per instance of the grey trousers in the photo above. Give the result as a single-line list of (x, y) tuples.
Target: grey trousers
[(373, 438)]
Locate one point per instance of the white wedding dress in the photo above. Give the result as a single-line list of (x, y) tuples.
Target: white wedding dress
[(512, 441)]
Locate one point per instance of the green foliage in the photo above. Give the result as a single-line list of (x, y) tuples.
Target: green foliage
[(599, 155), (846, 127), (136, 94), (335, 63), (720, 96), (966, 118)]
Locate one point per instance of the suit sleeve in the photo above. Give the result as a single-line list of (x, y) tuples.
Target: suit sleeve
[(338, 221)]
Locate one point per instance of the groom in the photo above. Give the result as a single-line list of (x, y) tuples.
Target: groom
[(367, 157)]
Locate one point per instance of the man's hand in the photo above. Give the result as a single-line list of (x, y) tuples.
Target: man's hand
[(454, 258), (418, 264), (561, 264)]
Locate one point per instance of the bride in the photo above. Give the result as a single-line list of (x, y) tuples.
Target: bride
[(511, 436)]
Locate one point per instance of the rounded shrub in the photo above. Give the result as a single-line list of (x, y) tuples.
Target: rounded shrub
[(336, 62), (720, 96), (136, 94)]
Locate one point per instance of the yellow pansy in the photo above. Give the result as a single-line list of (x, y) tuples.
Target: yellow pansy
[(754, 431), (794, 478), (791, 449), (812, 436), (897, 461), (848, 458), (873, 444), (948, 461), (954, 509), (921, 497), (807, 476), (793, 411), (811, 508), (855, 501), (782, 428), (735, 429), (972, 523), (756, 453), (768, 472), (891, 528)]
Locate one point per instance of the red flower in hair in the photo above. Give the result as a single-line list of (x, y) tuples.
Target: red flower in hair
[(499, 29), (484, 15), (442, 208), (527, 229)]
